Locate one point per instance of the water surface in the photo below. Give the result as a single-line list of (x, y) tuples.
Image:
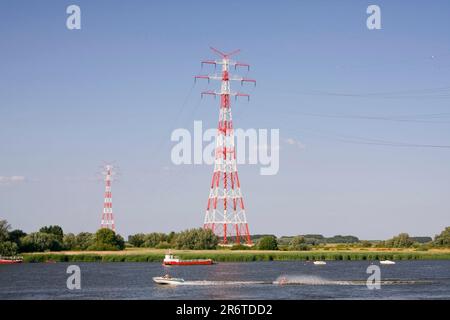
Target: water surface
[(250, 280)]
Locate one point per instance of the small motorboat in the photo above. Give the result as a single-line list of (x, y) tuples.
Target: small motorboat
[(168, 280), (319, 263), (387, 262)]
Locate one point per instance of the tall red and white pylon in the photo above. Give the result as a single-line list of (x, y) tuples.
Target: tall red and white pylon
[(225, 211), (107, 215)]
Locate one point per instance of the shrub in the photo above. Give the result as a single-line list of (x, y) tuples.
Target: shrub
[(106, 240), (8, 248), (16, 235), (443, 239), (4, 230), (69, 241), (137, 240), (151, 240), (239, 247), (298, 244), (268, 243), (39, 242), (55, 230), (84, 240), (401, 241), (163, 245), (196, 239)]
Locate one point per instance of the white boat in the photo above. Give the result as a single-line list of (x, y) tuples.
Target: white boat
[(168, 280), (319, 263), (387, 262)]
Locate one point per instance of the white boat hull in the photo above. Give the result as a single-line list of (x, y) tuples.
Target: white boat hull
[(169, 281), (387, 262)]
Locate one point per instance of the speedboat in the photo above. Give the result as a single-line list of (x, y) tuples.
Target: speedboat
[(319, 263), (387, 262), (168, 280)]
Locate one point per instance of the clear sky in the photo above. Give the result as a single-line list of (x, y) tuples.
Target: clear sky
[(368, 108)]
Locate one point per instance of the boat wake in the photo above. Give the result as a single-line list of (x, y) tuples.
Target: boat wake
[(224, 283), (317, 281)]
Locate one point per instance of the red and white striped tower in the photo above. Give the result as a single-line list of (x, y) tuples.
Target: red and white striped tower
[(225, 211), (107, 215)]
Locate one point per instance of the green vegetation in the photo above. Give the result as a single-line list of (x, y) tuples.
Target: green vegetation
[(401, 241), (196, 239), (156, 255), (318, 239), (188, 239), (267, 243), (105, 245), (298, 243), (7, 247), (39, 242), (443, 239), (57, 231), (107, 240)]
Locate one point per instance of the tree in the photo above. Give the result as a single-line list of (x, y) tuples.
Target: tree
[(153, 239), (106, 239), (342, 239), (171, 237), (55, 230), (443, 239), (196, 239), (268, 243), (401, 241), (8, 248), (40, 241), (365, 244), (70, 241), (84, 240), (16, 235), (136, 240), (298, 243), (4, 230)]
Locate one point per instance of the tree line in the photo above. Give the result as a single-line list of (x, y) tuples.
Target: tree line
[(53, 238)]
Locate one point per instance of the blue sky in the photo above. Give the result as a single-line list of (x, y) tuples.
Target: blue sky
[(115, 90)]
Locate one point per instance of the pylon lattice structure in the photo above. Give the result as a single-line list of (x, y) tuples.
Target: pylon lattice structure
[(225, 211), (107, 215)]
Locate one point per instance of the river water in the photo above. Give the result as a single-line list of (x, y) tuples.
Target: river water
[(249, 280)]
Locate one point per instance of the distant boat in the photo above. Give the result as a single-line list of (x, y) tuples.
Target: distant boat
[(10, 260), (171, 260), (168, 280), (319, 263), (387, 262)]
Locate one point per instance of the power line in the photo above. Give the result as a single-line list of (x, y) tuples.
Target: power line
[(407, 118), (370, 141)]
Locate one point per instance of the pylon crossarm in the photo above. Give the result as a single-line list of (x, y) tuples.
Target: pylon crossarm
[(211, 93), (239, 94), (209, 62), (240, 64)]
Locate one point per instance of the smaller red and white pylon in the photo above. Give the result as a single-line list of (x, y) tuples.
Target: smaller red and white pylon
[(107, 215)]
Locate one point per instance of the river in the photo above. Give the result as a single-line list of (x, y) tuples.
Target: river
[(424, 279)]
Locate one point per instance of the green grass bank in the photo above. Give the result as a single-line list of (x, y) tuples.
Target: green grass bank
[(232, 256)]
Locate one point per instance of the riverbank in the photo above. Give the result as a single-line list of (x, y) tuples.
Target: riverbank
[(157, 255)]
